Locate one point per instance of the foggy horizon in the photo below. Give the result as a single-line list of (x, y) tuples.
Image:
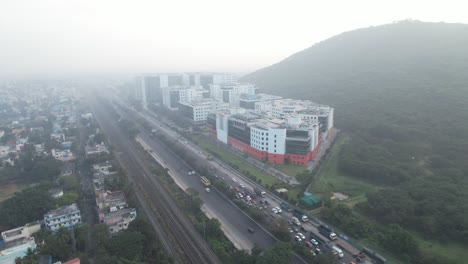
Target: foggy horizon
[(57, 38)]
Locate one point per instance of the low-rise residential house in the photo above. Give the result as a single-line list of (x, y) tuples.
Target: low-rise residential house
[(112, 200), (118, 220), (60, 137), (87, 116), (5, 150), (66, 144), (18, 248), (113, 211), (21, 232), (95, 150), (66, 217), (103, 167), (63, 155)]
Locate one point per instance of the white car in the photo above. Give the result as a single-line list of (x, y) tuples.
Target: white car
[(301, 236), (314, 242), (248, 198), (274, 210), (207, 190), (297, 239), (278, 209), (242, 186)]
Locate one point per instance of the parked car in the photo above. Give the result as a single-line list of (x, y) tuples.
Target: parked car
[(297, 239), (274, 210), (207, 190), (251, 230), (301, 236)]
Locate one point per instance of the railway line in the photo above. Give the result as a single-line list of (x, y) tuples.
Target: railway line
[(157, 203)]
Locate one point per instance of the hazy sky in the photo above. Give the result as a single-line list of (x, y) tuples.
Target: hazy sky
[(112, 36)]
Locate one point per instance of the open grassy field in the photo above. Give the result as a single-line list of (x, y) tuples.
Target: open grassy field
[(229, 158), (290, 169), (7, 189), (331, 179)]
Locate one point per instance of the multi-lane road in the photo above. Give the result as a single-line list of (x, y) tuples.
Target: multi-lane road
[(234, 221)]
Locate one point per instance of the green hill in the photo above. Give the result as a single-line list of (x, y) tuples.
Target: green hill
[(401, 92)]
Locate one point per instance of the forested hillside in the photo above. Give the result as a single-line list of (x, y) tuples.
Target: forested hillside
[(401, 92)]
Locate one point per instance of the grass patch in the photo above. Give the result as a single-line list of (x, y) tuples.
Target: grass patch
[(289, 169), (331, 179), (456, 253), (8, 189), (292, 193), (229, 158)]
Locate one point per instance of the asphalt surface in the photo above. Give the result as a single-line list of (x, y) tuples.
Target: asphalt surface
[(224, 210)]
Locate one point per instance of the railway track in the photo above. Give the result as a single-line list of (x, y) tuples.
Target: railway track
[(193, 248)]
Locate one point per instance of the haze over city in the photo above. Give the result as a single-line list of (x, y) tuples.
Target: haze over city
[(54, 37)]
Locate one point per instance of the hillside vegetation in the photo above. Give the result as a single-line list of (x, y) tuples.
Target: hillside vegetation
[(400, 91)]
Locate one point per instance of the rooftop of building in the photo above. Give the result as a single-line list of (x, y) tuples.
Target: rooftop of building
[(72, 208), (110, 217)]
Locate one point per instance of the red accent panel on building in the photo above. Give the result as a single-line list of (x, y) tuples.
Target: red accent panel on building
[(273, 157), (276, 158), (258, 154)]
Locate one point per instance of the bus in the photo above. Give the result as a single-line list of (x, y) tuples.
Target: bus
[(205, 181)]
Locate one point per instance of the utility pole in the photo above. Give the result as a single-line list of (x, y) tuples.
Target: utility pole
[(204, 234)]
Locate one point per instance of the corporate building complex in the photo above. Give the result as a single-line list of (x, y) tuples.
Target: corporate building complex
[(267, 127)]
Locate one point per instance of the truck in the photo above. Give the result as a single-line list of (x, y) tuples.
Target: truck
[(295, 221), (300, 215), (326, 232), (259, 192)]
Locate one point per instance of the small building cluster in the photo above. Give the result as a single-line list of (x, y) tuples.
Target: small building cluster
[(112, 207), (17, 242)]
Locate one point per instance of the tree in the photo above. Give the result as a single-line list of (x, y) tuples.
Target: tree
[(280, 253)]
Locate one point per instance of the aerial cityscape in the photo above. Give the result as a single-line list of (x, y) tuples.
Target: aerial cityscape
[(240, 133)]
